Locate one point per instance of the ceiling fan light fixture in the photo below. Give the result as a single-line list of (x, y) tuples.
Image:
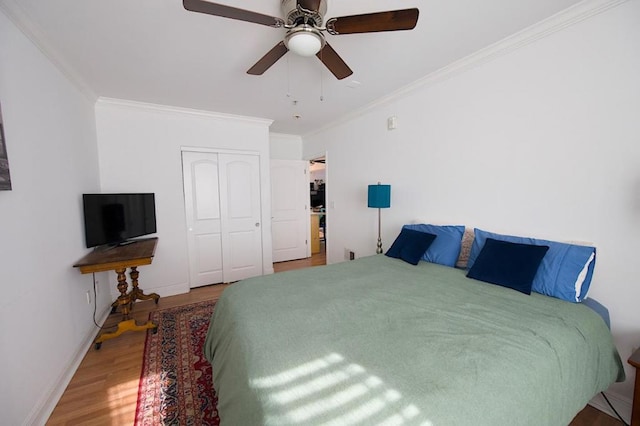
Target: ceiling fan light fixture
[(304, 21), (304, 40)]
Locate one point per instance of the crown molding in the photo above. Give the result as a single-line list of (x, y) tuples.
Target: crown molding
[(561, 20), (144, 106), (286, 136), (17, 15), (557, 22)]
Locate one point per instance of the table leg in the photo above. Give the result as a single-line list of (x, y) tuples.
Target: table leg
[(128, 325), (635, 410), (125, 301), (136, 293)]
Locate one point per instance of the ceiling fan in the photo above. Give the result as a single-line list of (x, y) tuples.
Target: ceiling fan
[(303, 22)]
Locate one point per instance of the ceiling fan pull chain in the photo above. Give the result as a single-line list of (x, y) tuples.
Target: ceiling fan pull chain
[(288, 79), (321, 82)]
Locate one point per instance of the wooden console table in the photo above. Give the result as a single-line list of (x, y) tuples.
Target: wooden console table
[(132, 255)]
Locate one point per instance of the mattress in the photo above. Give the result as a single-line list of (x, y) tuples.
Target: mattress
[(380, 341)]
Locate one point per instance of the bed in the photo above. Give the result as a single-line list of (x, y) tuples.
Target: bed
[(381, 341)]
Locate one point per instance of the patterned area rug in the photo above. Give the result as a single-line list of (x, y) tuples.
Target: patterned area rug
[(176, 382)]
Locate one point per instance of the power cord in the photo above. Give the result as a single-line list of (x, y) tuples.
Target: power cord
[(614, 410), (95, 304)]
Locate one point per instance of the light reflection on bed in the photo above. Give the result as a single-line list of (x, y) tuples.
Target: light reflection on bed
[(332, 383)]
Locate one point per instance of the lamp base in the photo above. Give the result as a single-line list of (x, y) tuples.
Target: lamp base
[(379, 249)]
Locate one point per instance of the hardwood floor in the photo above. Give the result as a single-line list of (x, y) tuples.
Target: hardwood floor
[(104, 389), (315, 260)]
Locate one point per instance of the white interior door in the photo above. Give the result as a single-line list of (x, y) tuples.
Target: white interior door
[(290, 209), (204, 225), (241, 216)]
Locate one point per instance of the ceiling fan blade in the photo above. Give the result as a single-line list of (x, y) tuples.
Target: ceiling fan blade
[(269, 59), (231, 13), (334, 62), (313, 5), (393, 20)]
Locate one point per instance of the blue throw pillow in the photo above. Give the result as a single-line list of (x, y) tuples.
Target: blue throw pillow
[(446, 248), (565, 271), (511, 265), (410, 245)]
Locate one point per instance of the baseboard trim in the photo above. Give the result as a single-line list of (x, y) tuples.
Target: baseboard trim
[(268, 271), (170, 290), (621, 404), (42, 411)]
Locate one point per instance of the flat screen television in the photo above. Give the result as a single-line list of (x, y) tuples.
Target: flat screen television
[(111, 219)]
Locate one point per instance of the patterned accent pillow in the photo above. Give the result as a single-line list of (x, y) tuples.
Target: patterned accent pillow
[(465, 250)]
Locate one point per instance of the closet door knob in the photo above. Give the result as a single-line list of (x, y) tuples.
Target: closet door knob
[(257, 224)]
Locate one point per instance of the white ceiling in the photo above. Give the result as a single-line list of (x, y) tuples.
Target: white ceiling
[(155, 51)]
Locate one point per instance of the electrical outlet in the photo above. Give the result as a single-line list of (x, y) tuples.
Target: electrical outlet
[(352, 255), (88, 297)]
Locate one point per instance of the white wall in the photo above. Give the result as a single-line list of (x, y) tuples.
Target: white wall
[(45, 321), (541, 141), (285, 147), (139, 150)]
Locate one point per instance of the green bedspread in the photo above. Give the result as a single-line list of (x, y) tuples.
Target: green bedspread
[(379, 341)]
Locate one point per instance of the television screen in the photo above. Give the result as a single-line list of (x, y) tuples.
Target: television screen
[(114, 218)]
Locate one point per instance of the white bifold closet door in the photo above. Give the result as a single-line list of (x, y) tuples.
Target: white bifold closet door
[(222, 204)]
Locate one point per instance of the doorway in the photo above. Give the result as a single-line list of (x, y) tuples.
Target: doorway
[(290, 210), (318, 203)]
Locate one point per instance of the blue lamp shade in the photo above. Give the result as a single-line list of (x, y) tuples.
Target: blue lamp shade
[(379, 196)]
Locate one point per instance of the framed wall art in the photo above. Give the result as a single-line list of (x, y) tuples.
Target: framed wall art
[(5, 178)]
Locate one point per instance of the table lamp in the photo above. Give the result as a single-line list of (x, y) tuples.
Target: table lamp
[(379, 198)]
